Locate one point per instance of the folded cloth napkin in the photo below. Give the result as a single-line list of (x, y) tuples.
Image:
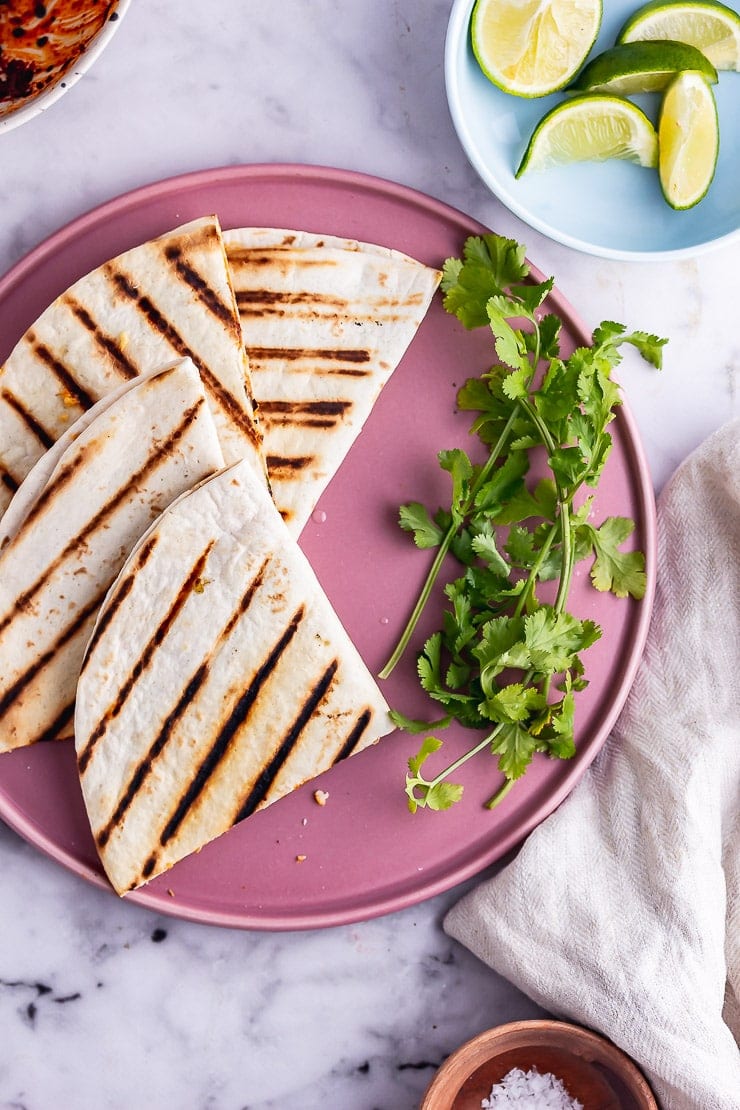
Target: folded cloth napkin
[(622, 910)]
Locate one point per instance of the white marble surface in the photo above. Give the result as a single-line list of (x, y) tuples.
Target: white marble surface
[(102, 1004)]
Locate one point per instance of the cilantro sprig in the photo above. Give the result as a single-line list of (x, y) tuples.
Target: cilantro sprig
[(505, 660)]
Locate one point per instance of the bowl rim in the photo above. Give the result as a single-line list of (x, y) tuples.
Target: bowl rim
[(537, 1031), (29, 109)]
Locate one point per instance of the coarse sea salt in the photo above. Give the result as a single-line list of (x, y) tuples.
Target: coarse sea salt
[(532, 1089)]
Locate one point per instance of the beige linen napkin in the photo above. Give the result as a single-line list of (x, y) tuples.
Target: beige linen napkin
[(622, 910)]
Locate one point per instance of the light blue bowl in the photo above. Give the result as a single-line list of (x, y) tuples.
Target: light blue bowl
[(613, 209)]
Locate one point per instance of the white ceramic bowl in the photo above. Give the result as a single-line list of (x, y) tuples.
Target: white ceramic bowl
[(612, 209), (46, 48)]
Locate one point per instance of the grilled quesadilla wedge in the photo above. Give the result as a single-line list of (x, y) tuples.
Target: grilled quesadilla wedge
[(168, 298), (218, 678), (131, 456), (326, 321)]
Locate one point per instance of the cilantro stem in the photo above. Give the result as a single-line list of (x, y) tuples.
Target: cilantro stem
[(442, 551), (500, 794), (566, 549), (461, 760), (535, 570), (566, 539), (421, 601)]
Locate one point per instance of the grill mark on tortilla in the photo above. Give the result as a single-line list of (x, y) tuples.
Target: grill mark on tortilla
[(205, 293), (145, 764), (8, 480), (308, 414), (28, 419), (23, 680), (344, 372), (279, 257), (106, 343), (64, 376), (269, 773), (312, 408), (155, 640), (270, 298), (221, 743), (163, 450), (351, 742), (122, 591), (278, 465), (147, 654), (63, 718), (313, 354), (228, 403)]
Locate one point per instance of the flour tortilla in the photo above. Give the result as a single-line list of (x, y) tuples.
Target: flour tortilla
[(168, 298), (198, 706), (326, 321), (74, 526)]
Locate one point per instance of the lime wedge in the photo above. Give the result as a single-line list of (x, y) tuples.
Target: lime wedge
[(706, 24), (637, 67), (591, 127), (688, 140), (533, 47)]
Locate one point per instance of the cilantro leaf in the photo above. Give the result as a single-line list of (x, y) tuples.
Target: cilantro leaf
[(434, 794), (515, 746), (489, 265), (622, 573), (415, 518), (484, 545), (460, 468), (611, 334)]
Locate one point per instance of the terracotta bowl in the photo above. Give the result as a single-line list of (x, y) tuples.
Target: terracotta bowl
[(593, 1070), (46, 48)]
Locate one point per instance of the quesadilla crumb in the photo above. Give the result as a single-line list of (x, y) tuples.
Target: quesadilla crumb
[(300, 859), (171, 892), (321, 797)]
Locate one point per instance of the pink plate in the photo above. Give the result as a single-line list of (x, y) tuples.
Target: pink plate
[(299, 865)]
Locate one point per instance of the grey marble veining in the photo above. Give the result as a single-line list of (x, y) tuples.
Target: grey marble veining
[(104, 1005)]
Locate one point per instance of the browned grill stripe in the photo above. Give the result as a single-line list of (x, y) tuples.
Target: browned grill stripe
[(54, 729), (8, 481), (271, 297), (13, 692), (233, 409), (314, 354), (146, 656), (48, 494), (310, 408), (69, 383), (233, 723), (344, 372), (200, 286), (113, 349), (265, 780), (274, 414), (350, 743), (271, 256), (164, 449), (122, 592), (145, 765), (277, 463), (28, 419)]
